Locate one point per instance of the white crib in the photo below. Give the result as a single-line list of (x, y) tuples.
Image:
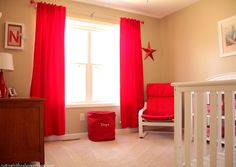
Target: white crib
[(192, 145)]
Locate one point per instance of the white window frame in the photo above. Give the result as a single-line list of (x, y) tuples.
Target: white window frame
[(89, 102)]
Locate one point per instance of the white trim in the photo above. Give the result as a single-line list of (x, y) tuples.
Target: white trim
[(78, 136), (224, 76), (126, 131), (88, 105), (201, 84), (72, 136)]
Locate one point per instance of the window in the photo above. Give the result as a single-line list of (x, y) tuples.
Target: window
[(92, 63)]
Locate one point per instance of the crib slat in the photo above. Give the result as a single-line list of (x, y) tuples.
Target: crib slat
[(229, 129), (187, 127), (195, 123), (178, 128), (213, 129), (199, 133), (205, 124), (219, 141)]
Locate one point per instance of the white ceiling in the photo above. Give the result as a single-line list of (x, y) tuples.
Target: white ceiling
[(153, 8)]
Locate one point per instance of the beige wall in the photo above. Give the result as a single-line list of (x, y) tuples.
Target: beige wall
[(21, 11), (190, 41), (186, 43)]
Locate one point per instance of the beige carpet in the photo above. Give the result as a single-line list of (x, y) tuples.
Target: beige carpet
[(128, 150)]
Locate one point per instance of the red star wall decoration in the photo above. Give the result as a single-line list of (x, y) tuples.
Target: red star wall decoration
[(149, 51)]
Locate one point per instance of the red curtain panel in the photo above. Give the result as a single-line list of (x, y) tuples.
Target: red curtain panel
[(131, 72), (48, 69)]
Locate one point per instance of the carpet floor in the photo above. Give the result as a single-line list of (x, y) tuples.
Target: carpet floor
[(127, 150)]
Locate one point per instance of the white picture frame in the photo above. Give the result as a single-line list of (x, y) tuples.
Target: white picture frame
[(12, 92), (14, 35), (227, 36)]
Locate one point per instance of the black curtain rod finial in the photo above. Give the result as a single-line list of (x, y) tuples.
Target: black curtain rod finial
[(32, 2)]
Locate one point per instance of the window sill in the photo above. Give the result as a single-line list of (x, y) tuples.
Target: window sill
[(90, 105)]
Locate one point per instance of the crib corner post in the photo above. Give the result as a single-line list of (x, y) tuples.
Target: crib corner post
[(178, 127)]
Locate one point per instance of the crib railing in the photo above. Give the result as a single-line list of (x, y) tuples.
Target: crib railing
[(205, 124)]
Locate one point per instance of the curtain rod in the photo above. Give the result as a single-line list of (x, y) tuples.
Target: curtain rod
[(92, 14)]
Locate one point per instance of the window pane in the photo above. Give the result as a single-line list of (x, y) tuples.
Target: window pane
[(76, 45), (75, 83), (105, 47), (98, 84), (105, 85), (99, 48), (105, 66)]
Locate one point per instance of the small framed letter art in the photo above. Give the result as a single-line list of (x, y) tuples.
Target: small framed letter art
[(13, 35)]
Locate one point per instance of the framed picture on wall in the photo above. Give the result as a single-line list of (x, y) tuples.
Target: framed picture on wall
[(13, 35), (227, 36), (12, 92)]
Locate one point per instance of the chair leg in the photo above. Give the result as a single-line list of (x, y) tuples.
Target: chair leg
[(141, 131), (141, 135)]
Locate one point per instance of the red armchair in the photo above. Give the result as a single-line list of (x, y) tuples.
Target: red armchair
[(159, 108)]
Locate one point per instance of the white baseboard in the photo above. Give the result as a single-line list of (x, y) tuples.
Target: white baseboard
[(72, 136), (77, 136), (126, 130)]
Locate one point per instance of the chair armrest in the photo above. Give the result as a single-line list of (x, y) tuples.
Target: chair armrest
[(140, 113)]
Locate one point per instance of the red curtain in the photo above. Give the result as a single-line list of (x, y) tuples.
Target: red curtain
[(131, 72), (48, 70)]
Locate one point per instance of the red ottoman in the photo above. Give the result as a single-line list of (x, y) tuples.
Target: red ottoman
[(101, 125)]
